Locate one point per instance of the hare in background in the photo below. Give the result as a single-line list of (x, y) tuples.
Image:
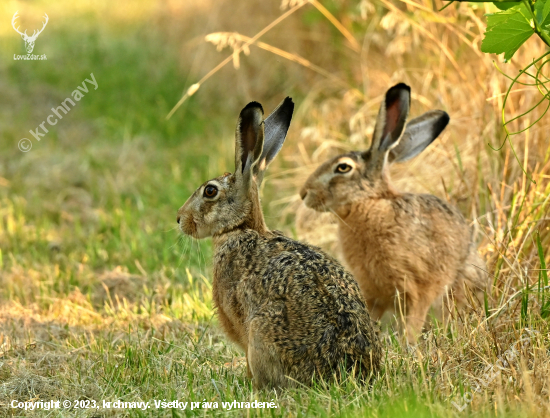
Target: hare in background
[(414, 246), (294, 310)]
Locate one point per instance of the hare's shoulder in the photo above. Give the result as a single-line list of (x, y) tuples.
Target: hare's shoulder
[(259, 250), (427, 204), (301, 264), (279, 261), (281, 246)]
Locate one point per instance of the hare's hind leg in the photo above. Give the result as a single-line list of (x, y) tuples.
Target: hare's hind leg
[(467, 290), (445, 304), (376, 308), (264, 361), (248, 371), (474, 276), (415, 317)]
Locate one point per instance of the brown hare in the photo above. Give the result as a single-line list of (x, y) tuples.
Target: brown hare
[(412, 245), (294, 310)]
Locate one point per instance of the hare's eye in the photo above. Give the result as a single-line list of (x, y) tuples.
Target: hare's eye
[(342, 168), (210, 191)]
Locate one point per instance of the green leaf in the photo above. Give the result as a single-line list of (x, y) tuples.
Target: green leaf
[(505, 5), (507, 31), (542, 12), (497, 19)]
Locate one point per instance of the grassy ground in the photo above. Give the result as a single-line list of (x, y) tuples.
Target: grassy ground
[(100, 299)]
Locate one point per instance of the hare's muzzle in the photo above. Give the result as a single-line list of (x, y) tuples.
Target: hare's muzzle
[(188, 226), (185, 221), (313, 199)]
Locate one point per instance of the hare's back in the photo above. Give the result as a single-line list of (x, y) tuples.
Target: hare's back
[(313, 286), (298, 301), (315, 303), (425, 216), (317, 291), (304, 270)]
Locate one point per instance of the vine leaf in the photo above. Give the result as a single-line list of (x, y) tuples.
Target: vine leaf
[(542, 11), (505, 5), (508, 30)]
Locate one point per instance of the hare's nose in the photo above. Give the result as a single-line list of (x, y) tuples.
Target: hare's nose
[(303, 193), (178, 219)]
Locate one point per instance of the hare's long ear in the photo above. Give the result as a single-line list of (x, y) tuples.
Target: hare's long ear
[(390, 123), (249, 141), (276, 128), (419, 133)]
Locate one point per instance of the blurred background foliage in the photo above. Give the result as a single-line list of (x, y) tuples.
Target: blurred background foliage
[(90, 259)]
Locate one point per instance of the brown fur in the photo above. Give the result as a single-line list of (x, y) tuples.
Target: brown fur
[(412, 245), (294, 310)]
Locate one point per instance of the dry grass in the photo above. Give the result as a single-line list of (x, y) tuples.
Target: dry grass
[(98, 302)]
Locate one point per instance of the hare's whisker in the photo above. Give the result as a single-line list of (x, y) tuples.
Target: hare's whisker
[(338, 216)]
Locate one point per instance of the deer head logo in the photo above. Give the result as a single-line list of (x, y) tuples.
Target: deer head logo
[(29, 40)]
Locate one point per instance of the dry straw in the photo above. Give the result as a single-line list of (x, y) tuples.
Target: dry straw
[(229, 39)]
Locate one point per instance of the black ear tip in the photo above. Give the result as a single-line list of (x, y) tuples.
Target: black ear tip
[(399, 87), (289, 105), (253, 105), (397, 92), (445, 118), (442, 122)]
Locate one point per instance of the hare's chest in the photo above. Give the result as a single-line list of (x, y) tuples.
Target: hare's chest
[(227, 297), (368, 244), (231, 291), (367, 234), (229, 272)]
